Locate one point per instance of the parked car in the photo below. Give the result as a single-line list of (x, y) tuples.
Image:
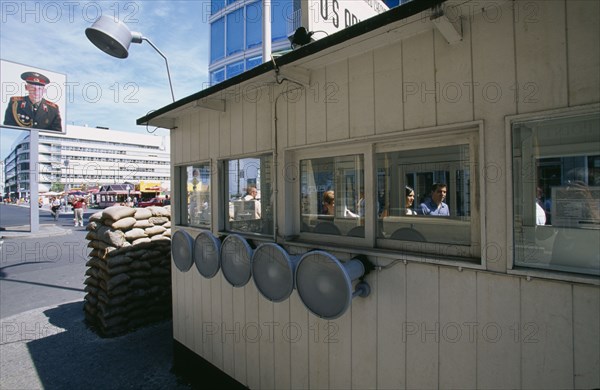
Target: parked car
[(151, 202)]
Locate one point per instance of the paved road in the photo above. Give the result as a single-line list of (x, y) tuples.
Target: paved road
[(44, 342), (41, 272), (13, 216)]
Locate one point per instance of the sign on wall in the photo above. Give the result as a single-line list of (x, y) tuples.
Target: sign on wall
[(32, 98), (331, 16)]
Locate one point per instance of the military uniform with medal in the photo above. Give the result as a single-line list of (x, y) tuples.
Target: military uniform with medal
[(33, 110)]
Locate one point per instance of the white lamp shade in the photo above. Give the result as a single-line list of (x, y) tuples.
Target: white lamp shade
[(112, 36)]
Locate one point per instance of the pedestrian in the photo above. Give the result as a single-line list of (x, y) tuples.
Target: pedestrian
[(78, 207), (55, 207)]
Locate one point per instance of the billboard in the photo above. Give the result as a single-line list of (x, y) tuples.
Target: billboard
[(32, 98)]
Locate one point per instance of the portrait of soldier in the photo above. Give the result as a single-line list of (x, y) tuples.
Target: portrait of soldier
[(33, 110)]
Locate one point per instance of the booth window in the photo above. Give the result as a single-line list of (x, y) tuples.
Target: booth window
[(332, 197), (248, 190), (556, 193), (425, 196), (416, 193), (195, 195)]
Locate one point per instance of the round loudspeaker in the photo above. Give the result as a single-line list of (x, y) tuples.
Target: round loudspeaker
[(273, 271), (110, 35), (236, 254), (207, 254), (325, 284), (182, 248)]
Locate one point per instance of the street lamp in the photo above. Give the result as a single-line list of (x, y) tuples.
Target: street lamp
[(113, 37), (66, 164), (128, 187)]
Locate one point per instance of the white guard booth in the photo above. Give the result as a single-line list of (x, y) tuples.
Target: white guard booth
[(417, 197)]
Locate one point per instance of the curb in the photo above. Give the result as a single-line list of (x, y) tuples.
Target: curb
[(21, 232)]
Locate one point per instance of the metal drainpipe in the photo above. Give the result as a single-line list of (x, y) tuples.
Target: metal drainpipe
[(276, 147)]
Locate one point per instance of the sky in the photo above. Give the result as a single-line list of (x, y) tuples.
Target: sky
[(103, 90)]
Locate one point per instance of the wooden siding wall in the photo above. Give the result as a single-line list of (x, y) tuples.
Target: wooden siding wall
[(424, 325)]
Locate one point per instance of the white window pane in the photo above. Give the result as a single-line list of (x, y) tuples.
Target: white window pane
[(556, 189), (248, 195), (196, 204), (424, 195), (332, 196)]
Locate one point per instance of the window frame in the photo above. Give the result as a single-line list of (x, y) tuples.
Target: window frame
[(322, 152), (181, 201), (214, 35), (470, 133), (467, 136), (223, 204), (511, 267)]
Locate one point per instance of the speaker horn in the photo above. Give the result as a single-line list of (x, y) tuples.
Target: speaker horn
[(236, 254), (325, 284), (207, 254), (273, 271), (182, 249)]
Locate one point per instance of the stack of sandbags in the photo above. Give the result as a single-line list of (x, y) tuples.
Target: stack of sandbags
[(128, 281)]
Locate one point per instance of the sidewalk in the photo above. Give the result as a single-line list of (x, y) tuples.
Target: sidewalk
[(51, 348), (46, 230)]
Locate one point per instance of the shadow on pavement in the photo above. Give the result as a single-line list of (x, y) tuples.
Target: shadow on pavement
[(70, 355)]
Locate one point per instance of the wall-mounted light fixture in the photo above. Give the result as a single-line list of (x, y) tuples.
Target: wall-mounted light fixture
[(301, 37), (113, 37)]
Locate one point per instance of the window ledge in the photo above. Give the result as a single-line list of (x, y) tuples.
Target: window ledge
[(391, 255), (555, 275)]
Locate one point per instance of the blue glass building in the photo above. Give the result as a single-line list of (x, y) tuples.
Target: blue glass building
[(236, 33)]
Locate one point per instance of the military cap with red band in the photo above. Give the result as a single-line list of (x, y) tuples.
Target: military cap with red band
[(35, 78)]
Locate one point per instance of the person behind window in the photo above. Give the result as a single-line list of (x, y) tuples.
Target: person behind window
[(329, 206), (361, 204), (328, 203), (540, 214), (434, 205), (410, 199), (251, 193)]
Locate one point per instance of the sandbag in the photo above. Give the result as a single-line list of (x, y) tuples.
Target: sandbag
[(124, 223), (160, 237), (118, 279), (158, 220), (142, 214), (96, 217), (154, 230), (143, 223), (135, 233), (118, 212), (140, 241), (158, 211)]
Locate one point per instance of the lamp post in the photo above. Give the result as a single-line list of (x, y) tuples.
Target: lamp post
[(113, 37), (128, 194), (66, 164)]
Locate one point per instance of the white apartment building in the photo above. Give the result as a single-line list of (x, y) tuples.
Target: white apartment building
[(87, 157)]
